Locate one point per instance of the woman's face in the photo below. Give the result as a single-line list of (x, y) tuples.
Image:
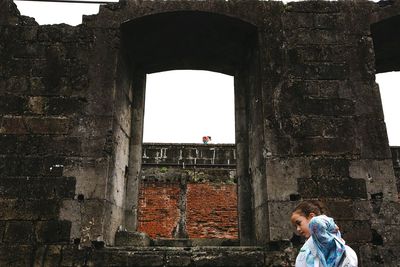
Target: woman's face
[(301, 223)]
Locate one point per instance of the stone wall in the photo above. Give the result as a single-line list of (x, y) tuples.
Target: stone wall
[(396, 165), (309, 123)]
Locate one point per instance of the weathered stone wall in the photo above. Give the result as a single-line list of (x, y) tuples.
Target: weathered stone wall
[(396, 165), (309, 122), (57, 121)]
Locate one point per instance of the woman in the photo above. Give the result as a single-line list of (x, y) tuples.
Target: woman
[(324, 245)]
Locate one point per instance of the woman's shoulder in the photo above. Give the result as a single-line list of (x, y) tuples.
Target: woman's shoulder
[(321, 219), (323, 223)]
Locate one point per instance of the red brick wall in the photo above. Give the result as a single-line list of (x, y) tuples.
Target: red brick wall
[(211, 209), (158, 208)]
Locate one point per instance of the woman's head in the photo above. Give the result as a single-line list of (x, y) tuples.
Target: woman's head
[(303, 213)]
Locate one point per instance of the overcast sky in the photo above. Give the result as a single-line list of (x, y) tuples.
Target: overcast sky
[(208, 107)]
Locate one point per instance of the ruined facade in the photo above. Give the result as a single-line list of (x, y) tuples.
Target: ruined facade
[(309, 124)]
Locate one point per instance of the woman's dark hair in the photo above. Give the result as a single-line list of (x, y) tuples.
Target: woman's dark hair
[(311, 206)]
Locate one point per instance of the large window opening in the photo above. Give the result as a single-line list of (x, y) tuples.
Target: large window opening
[(184, 106), (188, 187)]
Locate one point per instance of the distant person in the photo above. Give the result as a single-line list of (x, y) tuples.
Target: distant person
[(324, 246), (206, 139)]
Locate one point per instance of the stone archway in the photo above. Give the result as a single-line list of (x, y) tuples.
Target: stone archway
[(194, 40)]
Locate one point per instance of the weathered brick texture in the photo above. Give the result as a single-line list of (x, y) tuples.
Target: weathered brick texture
[(212, 211), (177, 200), (158, 209)]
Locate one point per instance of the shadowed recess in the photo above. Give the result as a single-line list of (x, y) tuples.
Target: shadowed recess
[(386, 39), (188, 40)]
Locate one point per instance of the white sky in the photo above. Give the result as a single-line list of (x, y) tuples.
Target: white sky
[(208, 107)]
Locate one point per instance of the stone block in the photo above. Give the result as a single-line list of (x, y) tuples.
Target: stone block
[(178, 258), (327, 167), (292, 20), (301, 126), (280, 227), (113, 219), (327, 107), (12, 125), (36, 104), (72, 256), (126, 258), (390, 213), (86, 217), (137, 239), (318, 53), (37, 187), (92, 127), (282, 174), (123, 109), (232, 258), (12, 105), (304, 37), (57, 33), (391, 235), (378, 175), (174, 242), (19, 232), (121, 149), (46, 146), (325, 21), (31, 166), (8, 144), (359, 210), (2, 229), (355, 231), (91, 175), (16, 85), (323, 146), (57, 106), (16, 255), (54, 231), (28, 50), (70, 210), (48, 125), (17, 209), (372, 256), (28, 33), (313, 7), (48, 255), (368, 97), (346, 188), (14, 166), (369, 128)]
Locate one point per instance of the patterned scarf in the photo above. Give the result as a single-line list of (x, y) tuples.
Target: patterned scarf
[(327, 240)]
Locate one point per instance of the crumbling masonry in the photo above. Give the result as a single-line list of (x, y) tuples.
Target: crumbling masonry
[(309, 124)]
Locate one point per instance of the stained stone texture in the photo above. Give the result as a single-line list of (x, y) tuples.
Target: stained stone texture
[(309, 124)]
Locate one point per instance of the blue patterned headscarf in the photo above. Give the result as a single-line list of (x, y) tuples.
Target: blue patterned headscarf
[(327, 240)]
